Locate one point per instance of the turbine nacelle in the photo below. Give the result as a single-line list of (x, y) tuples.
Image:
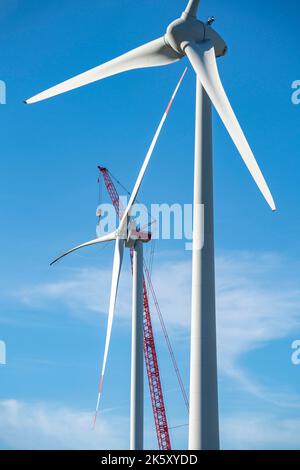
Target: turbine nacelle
[(130, 234), (137, 235), (189, 29)]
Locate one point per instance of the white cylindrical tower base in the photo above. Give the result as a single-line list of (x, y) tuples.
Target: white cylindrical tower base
[(203, 414), (137, 370)]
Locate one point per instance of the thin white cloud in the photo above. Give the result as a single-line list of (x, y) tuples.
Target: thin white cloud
[(260, 432), (77, 290), (47, 426), (256, 303), (41, 425)]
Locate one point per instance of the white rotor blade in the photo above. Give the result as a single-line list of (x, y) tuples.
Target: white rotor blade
[(117, 264), (105, 238), (192, 7), (148, 156), (203, 59), (152, 54)]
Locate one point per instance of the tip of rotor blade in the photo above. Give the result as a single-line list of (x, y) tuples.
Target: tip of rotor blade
[(30, 100), (55, 261), (33, 99), (272, 204), (94, 421)]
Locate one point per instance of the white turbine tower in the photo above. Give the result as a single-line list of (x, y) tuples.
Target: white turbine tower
[(127, 235), (187, 36)]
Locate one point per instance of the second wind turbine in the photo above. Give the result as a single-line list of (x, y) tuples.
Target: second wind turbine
[(128, 236)]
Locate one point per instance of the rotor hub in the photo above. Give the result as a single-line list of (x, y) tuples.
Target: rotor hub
[(189, 29)]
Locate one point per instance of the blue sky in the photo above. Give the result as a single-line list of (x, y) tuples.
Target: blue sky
[(53, 320)]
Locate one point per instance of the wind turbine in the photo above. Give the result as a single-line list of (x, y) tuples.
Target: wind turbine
[(128, 236), (201, 44)]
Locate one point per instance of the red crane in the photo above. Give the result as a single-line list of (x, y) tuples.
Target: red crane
[(156, 393)]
